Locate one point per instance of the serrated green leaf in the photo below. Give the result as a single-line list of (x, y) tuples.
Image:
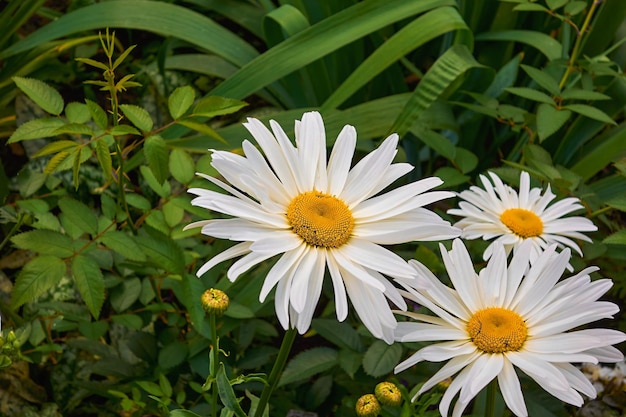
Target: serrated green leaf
[(79, 214), (591, 112), (202, 128), (36, 129), (381, 358), (544, 79), (74, 129), (137, 116), (77, 112), (104, 158), (121, 130), (217, 106), (162, 189), (180, 101), (617, 238), (530, 94), (90, 282), (309, 363), (550, 119), (227, 395), (37, 276), (41, 93), (98, 115), (181, 166), (350, 361), (124, 245), (340, 333), (156, 153), (57, 146), (56, 161), (125, 294), (45, 242)]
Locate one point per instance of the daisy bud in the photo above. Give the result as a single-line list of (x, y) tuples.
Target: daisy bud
[(388, 394), (214, 301), (367, 406)]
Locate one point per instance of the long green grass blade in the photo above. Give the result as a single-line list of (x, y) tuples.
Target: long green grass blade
[(547, 45), (153, 16), (319, 40), (602, 151), (421, 30)]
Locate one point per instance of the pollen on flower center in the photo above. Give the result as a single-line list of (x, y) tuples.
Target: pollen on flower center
[(320, 219), (497, 330), (522, 222)]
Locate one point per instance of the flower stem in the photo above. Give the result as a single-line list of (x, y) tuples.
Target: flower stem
[(277, 370), (490, 407), (214, 362)]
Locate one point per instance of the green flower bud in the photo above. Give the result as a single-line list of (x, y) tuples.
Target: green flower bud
[(214, 301), (367, 406), (388, 394)]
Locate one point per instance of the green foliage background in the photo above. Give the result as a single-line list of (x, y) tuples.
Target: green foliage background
[(101, 142)]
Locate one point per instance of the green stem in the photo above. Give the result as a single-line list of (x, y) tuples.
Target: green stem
[(490, 407), (277, 370), (214, 362)]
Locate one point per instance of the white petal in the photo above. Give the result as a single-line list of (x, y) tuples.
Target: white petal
[(481, 372), (511, 390), (300, 284), (232, 252), (341, 300), (286, 262), (314, 289), (340, 159), (377, 258)]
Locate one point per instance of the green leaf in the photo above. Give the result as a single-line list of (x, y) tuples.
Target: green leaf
[(181, 166), (350, 361), (36, 129), (381, 358), (132, 321), (139, 201), (217, 106), (79, 214), (124, 245), (104, 158), (90, 283), (173, 354), (451, 176), (93, 63), (556, 4), (163, 189), (57, 146), (618, 203), (121, 130), (529, 7), (437, 142), (575, 7), (77, 112), (173, 213), (617, 238), (93, 330), (550, 119), (580, 94), (591, 112), (156, 153), (543, 42), (74, 129), (601, 152), (163, 251), (37, 276), (530, 94), (151, 388), (41, 93), (98, 115), (544, 79), (340, 333), (45, 242), (309, 363), (465, 160), (124, 295), (180, 101), (123, 56), (238, 311), (137, 116), (227, 395), (183, 413), (202, 128)]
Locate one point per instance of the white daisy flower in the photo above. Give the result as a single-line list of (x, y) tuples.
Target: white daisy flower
[(498, 211), (320, 214), (510, 316)]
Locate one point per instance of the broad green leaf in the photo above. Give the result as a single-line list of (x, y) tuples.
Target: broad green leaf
[(41, 93), (550, 119), (591, 112), (580, 94), (163, 189), (123, 244), (308, 363), (156, 153), (165, 385), (137, 116), (74, 129), (151, 388), (451, 176), (180, 101), (37, 276), (544, 79), (212, 106), (465, 160), (575, 7), (98, 115), (530, 94), (601, 152), (530, 7), (93, 330), (104, 158), (36, 129), (79, 214), (437, 142), (173, 354), (340, 333), (125, 294), (34, 205), (163, 251), (90, 283), (45, 242), (381, 358), (237, 310), (121, 130), (192, 289), (617, 238), (139, 201), (555, 4), (350, 361), (56, 146), (227, 395), (202, 128), (547, 45), (173, 213), (132, 321), (617, 203), (181, 166), (77, 112)]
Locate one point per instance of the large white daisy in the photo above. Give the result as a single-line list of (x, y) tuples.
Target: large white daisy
[(510, 316), (320, 214), (498, 211)]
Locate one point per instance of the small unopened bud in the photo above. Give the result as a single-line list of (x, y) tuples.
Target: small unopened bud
[(367, 406), (388, 394), (214, 301)]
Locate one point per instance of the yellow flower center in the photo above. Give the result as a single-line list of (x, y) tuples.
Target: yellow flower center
[(320, 219), (522, 222), (497, 330)]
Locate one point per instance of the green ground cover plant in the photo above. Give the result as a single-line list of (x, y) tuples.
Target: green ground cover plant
[(109, 109)]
